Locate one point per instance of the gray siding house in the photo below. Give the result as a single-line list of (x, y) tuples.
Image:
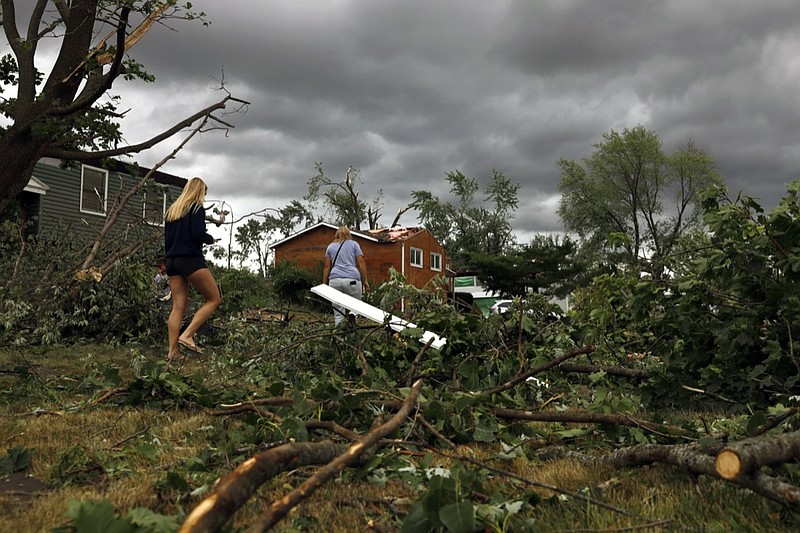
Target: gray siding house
[(75, 202)]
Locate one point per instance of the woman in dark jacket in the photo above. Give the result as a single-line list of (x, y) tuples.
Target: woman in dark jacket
[(184, 236)]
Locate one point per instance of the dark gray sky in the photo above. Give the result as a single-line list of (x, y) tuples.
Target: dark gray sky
[(407, 90)]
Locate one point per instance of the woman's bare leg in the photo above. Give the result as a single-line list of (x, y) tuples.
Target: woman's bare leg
[(180, 296), (203, 282)]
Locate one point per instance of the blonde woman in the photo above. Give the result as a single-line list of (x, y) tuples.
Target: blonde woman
[(345, 269), (184, 236)]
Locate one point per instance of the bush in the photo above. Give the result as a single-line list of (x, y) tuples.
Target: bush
[(242, 289), (290, 282)]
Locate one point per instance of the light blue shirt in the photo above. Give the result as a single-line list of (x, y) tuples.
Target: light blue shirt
[(344, 265)]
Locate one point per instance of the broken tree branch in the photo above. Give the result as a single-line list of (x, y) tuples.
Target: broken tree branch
[(236, 488), (746, 456), (620, 371), (281, 508), (697, 460), (582, 417), (555, 362)]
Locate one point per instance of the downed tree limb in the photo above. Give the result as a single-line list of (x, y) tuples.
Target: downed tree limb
[(777, 420), (236, 488), (539, 369), (695, 460), (620, 371), (585, 417), (107, 395), (281, 508), (746, 456)]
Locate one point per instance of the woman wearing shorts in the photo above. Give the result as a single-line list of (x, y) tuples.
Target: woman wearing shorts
[(184, 236)]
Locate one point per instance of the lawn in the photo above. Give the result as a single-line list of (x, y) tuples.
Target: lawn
[(113, 424)]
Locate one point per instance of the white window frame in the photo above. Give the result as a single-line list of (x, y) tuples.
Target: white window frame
[(105, 191), (163, 192), (436, 261), (416, 252)]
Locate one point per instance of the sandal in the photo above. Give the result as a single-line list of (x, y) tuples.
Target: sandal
[(191, 346)]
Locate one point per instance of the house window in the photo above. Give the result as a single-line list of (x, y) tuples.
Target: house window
[(155, 202), (436, 261), (416, 257), (94, 189)]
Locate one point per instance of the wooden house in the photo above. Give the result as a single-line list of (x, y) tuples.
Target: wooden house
[(77, 199), (414, 252)]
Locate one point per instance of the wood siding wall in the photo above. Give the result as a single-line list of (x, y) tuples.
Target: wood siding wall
[(60, 208), (308, 251)]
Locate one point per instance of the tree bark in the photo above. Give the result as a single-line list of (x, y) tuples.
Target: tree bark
[(236, 488), (281, 508), (620, 371), (746, 456), (555, 362), (580, 417), (696, 460)]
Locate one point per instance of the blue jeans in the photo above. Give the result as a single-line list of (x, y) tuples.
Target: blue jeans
[(349, 286)]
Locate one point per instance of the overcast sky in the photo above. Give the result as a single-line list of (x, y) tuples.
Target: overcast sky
[(407, 90)]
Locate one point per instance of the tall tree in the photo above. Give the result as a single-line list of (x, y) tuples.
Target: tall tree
[(549, 265), (60, 115), (465, 226), (256, 236), (630, 201), (341, 199)]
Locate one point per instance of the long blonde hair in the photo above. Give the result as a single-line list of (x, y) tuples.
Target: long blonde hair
[(342, 234), (193, 194)]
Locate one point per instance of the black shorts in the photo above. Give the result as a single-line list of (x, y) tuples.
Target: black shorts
[(184, 266)]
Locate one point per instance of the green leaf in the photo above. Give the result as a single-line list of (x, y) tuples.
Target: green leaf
[(441, 492), (295, 428), (153, 522), (458, 517), (93, 516), (482, 434), (16, 460), (755, 422), (417, 520)]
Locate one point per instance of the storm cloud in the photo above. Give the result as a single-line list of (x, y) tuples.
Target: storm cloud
[(409, 90)]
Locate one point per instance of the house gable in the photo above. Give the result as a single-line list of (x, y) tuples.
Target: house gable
[(68, 201), (383, 250)]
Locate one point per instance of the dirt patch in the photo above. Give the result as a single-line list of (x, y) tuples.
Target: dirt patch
[(21, 484)]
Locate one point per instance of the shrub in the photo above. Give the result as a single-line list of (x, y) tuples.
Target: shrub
[(292, 283)]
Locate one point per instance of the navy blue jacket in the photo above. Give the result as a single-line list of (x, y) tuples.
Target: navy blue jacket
[(186, 236)]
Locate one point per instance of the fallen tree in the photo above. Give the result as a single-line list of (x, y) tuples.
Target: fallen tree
[(745, 457), (236, 488), (695, 459)]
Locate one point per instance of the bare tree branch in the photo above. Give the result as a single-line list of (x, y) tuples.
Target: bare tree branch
[(86, 156), (235, 489), (555, 362), (281, 508)]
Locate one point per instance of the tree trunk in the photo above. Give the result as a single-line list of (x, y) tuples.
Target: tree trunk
[(698, 461), (746, 456), (19, 159)]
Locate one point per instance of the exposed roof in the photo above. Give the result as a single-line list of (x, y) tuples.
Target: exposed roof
[(395, 234)]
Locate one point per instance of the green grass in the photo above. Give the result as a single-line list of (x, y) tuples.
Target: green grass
[(49, 399)]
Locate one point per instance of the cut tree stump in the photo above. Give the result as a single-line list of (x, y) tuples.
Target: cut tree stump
[(746, 456)]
